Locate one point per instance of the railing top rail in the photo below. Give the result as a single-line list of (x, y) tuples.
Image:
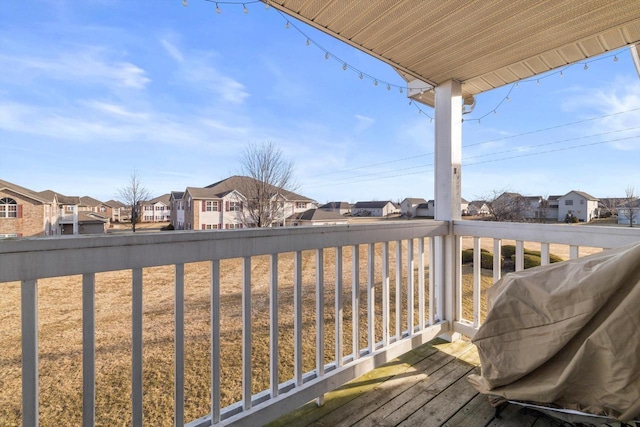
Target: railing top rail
[(580, 234), (28, 259)]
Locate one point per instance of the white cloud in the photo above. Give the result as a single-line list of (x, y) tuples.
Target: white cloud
[(363, 123), (172, 50), (84, 65)]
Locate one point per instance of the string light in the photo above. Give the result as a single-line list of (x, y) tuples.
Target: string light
[(376, 81)]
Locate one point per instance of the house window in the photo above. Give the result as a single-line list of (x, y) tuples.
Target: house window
[(582, 201), (148, 217), (103, 208), (568, 202), (8, 208), (301, 205), (235, 206), (69, 208), (159, 208), (233, 226), (211, 206)]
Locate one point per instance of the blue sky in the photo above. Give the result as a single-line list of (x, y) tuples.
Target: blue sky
[(93, 90)]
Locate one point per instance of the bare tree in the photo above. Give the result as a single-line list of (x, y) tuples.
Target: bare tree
[(632, 205), (132, 195), (505, 205), (270, 182)]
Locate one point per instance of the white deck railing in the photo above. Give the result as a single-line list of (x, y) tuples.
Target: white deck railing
[(29, 260), (544, 236), (419, 312)]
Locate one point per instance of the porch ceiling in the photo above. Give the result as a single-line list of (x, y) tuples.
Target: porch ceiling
[(484, 44)]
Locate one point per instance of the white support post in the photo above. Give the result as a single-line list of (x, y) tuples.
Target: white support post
[(178, 388), (355, 301), (88, 350), (339, 308), (215, 341), (273, 329), (448, 157), (371, 299), (29, 311), (320, 318)]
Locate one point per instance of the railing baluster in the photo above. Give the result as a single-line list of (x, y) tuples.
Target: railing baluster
[(273, 334), (339, 307), (439, 276), (432, 292), (371, 299), (519, 255), (246, 333), (574, 252), (320, 318), (355, 301), (215, 341), (410, 272), (178, 406), (421, 302), (477, 276), (29, 313), (398, 289), (136, 346), (385, 293), (88, 350), (497, 259), (544, 253), (297, 321)]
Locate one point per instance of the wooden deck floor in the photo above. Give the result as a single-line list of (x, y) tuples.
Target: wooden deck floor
[(425, 387)]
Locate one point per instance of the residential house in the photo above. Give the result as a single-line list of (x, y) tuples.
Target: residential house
[(629, 212), (225, 205), (533, 206), (25, 213), (409, 205), (93, 205), (177, 209), (425, 210), (67, 208), (343, 208), (374, 208), (478, 208), (156, 210), (119, 212), (317, 217), (577, 204)]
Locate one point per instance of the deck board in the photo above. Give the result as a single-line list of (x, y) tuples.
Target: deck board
[(426, 387)]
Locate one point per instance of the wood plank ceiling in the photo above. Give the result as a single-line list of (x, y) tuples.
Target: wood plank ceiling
[(484, 44)]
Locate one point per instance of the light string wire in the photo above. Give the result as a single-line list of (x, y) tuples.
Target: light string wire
[(401, 89)]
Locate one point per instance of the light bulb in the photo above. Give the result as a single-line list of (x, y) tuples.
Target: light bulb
[(495, 112), (410, 102), (586, 67), (326, 55), (375, 82), (401, 90), (388, 87), (516, 85), (561, 74), (615, 58), (217, 9), (508, 99), (286, 25), (361, 76), (344, 67), (245, 8), (308, 42), (185, 3), (266, 4), (538, 82)]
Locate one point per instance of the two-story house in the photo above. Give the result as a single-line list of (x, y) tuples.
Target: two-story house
[(409, 205), (343, 208), (229, 204), (24, 212), (577, 204), (156, 210)]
